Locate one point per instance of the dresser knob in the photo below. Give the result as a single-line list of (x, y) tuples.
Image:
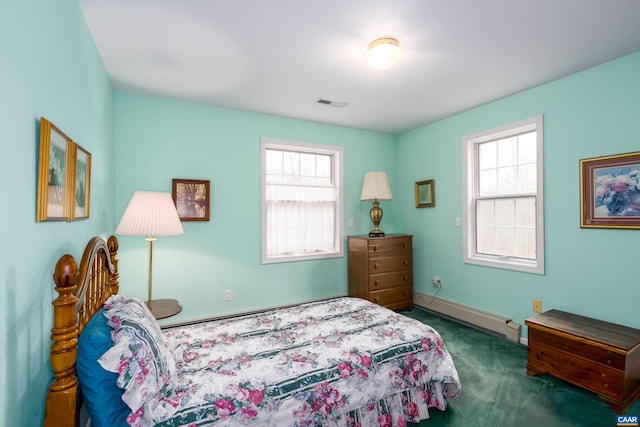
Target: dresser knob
[(404, 245), (377, 299), (404, 293), (405, 261), (376, 283), (405, 277), (375, 248)]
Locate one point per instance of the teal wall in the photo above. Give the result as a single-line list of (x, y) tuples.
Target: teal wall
[(49, 67), (588, 271), (159, 139)]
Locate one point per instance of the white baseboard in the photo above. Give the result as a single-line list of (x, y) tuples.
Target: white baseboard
[(491, 322)]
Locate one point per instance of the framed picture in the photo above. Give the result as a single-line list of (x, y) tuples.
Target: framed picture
[(191, 197), (53, 174), (80, 182), (425, 194), (610, 191)]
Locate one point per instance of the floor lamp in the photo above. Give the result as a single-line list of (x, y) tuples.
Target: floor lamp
[(152, 214)]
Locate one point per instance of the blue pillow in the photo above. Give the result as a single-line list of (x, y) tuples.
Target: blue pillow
[(102, 396)]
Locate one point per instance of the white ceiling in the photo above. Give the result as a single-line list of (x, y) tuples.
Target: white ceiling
[(280, 56)]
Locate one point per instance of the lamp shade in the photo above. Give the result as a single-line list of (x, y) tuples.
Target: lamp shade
[(376, 187), (150, 214), (383, 53)]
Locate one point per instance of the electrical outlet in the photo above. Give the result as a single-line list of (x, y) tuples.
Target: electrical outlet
[(436, 282), (537, 306), (227, 295)]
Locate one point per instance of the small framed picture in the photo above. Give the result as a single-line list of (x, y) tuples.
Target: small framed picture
[(191, 197), (610, 191), (80, 182), (53, 174), (425, 194)]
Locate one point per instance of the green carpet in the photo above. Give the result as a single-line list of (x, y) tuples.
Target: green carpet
[(497, 392)]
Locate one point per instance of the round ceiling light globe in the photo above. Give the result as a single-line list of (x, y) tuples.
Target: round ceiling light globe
[(383, 53)]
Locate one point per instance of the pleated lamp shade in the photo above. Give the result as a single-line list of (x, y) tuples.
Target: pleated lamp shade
[(376, 187), (150, 214)]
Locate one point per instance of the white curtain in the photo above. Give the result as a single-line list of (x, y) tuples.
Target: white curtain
[(300, 219)]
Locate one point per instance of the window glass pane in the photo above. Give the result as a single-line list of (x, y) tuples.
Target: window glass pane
[(274, 162), (526, 212), (308, 165), (505, 213), (485, 240), (527, 179), (507, 153), (485, 213), (291, 164), (488, 185), (506, 180), (323, 166), (487, 155), (526, 243), (505, 241), (527, 148)]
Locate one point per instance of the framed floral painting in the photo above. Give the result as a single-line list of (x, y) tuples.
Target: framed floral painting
[(610, 191)]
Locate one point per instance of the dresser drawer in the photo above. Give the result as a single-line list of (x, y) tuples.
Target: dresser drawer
[(579, 348), (390, 263), (380, 246), (390, 280), (392, 296)]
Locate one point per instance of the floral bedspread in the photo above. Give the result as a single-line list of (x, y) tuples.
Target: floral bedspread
[(341, 362)]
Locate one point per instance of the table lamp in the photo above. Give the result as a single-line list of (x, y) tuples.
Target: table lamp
[(376, 187)]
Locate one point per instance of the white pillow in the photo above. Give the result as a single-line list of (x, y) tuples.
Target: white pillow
[(140, 356)]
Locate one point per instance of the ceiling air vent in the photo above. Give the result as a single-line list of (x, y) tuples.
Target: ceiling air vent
[(337, 104)]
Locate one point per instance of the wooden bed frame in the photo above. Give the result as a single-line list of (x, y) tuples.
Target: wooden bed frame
[(81, 293)]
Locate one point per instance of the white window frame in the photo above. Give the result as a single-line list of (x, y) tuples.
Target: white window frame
[(470, 190), (336, 154)]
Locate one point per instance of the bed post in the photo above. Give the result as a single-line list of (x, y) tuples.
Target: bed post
[(61, 406), (112, 244)]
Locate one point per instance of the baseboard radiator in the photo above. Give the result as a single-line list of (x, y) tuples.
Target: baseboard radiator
[(490, 322)]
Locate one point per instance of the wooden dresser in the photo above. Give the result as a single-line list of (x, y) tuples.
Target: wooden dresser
[(599, 356), (381, 270)]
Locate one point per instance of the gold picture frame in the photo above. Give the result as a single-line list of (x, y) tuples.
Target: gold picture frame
[(80, 183), (53, 173), (192, 199), (610, 191), (425, 194), (64, 176)]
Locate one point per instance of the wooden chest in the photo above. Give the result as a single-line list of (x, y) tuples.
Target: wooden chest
[(599, 356), (381, 270)]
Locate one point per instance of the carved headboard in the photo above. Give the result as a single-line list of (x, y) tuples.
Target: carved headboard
[(81, 293)]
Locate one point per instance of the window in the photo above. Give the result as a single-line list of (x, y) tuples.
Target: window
[(503, 197), (301, 201)]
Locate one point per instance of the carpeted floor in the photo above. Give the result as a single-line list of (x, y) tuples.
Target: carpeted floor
[(497, 392)]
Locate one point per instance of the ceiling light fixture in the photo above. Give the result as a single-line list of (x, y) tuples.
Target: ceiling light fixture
[(383, 53)]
